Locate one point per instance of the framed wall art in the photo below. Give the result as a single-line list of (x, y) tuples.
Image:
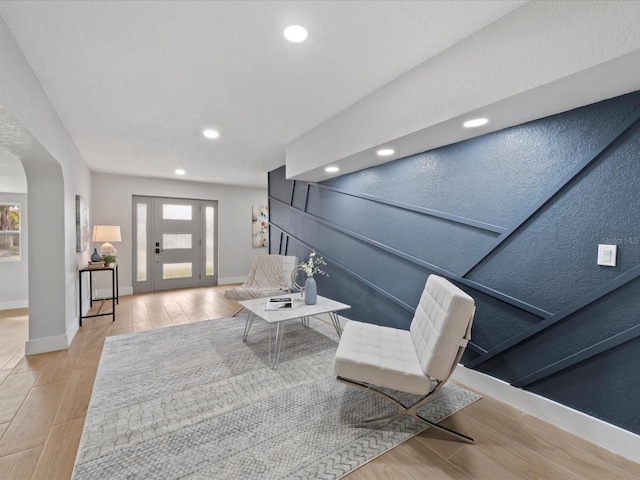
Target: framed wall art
[(82, 224), (260, 226)]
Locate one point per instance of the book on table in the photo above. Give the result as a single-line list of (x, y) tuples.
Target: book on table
[(279, 303)]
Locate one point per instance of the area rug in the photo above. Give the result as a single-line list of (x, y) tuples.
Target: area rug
[(194, 401)]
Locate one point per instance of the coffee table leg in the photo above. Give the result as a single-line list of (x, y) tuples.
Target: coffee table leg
[(247, 326), (336, 323), (305, 321), (274, 353)]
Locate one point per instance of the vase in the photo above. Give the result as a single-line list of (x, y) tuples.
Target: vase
[(95, 256), (310, 291)]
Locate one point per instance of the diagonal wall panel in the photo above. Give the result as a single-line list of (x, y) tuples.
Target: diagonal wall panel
[(545, 309)]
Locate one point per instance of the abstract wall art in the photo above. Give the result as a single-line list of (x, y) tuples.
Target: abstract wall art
[(82, 224), (260, 226)]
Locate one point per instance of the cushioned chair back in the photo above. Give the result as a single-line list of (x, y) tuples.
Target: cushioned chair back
[(441, 326), (289, 262)]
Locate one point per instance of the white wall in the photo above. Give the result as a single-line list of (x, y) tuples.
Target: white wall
[(56, 172), (31, 130), (14, 276), (111, 204)]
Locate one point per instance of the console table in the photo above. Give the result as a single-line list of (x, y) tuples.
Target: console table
[(114, 290)]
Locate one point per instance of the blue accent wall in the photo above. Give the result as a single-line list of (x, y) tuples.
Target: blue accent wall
[(514, 218)]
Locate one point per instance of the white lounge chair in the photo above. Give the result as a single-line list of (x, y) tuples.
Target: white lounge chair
[(370, 356)]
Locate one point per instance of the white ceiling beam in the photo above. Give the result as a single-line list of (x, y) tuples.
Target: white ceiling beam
[(543, 58)]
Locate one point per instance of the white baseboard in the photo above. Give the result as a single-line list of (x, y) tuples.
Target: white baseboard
[(598, 432), (14, 304), (47, 344), (229, 280)]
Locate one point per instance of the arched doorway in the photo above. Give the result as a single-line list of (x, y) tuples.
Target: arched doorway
[(50, 292)]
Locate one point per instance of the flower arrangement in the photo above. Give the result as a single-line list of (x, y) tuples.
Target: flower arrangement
[(311, 266)]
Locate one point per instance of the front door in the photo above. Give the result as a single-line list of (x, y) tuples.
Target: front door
[(175, 243)]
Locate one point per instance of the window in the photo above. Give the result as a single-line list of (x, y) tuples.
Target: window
[(177, 270), (176, 241), (141, 242), (209, 237), (176, 212), (9, 232)]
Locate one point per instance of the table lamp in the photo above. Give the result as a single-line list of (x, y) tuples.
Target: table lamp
[(106, 234)]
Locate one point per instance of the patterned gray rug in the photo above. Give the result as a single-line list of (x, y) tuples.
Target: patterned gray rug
[(194, 401)]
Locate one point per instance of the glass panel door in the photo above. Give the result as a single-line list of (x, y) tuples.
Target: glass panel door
[(176, 262), (175, 243)]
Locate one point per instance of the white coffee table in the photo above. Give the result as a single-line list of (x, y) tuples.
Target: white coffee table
[(300, 311)]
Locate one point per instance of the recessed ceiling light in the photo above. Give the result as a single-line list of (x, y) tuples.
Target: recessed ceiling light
[(331, 169), (295, 33), (210, 133), (179, 171), (476, 122), (385, 152)]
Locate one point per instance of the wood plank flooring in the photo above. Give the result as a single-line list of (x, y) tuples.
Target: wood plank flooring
[(44, 400)]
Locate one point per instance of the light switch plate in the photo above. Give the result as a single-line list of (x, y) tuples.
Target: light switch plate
[(607, 255)]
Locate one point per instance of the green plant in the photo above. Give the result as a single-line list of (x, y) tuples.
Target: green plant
[(109, 259)]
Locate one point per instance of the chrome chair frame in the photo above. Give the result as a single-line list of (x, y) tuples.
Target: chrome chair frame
[(413, 408)]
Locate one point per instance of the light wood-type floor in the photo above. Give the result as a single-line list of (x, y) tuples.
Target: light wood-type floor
[(44, 399)]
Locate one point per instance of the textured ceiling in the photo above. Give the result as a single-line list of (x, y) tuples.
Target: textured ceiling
[(12, 134), (12, 177), (136, 82)]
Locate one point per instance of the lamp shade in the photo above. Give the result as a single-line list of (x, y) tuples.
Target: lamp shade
[(106, 233)]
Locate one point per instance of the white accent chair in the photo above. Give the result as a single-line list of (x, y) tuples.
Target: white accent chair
[(370, 356)]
